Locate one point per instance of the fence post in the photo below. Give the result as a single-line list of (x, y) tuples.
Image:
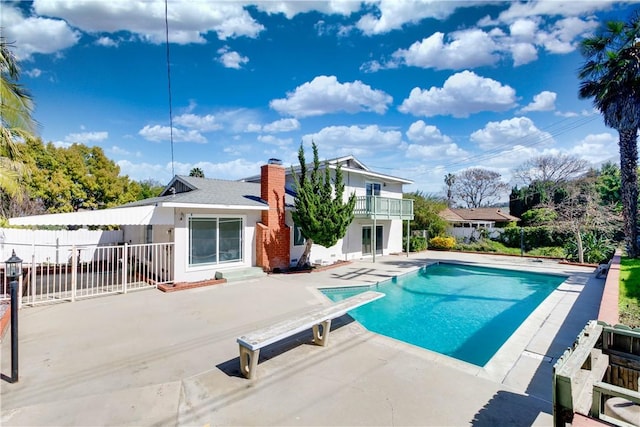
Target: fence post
[(125, 266), (20, 291), (74, 272), (33, 277)]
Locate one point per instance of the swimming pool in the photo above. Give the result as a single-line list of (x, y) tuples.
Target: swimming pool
[(461, 311)]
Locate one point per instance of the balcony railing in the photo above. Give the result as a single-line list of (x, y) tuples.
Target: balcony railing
[(383, 208)]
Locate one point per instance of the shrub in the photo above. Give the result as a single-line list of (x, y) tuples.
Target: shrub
[(596, 248), (416, 243), (534, 237), (442, 243)]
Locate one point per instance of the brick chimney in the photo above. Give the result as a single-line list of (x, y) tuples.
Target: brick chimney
[(272, 234)]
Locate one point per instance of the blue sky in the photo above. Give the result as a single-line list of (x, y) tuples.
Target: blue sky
[(415, 89)]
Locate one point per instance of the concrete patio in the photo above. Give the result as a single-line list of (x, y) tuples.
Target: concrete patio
[(150, 358)]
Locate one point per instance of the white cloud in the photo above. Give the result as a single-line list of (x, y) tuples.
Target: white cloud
[(189, 21), (544, 101), (394, 14), (206, 123), (85, 137), (106, 42), (282, 125), (467, 48), (356, 140), (561, 38), (34, 73), (462, 94), (519, 10), (272, 140), (523, 53), (159, 133), (35, 34), (419, 131), (524, 30), (231, 59), (515, 131), (293, 8), (597, 148), (325, 95)]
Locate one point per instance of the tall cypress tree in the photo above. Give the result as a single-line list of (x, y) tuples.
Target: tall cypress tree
[(321, 213)]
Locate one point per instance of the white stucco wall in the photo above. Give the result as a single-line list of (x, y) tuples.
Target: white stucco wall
[(184, 273)]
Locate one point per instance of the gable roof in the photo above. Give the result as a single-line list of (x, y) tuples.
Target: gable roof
[(348, 164), (189, 191), (477, 214)]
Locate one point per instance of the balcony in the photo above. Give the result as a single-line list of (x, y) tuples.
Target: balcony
[(383, 208)]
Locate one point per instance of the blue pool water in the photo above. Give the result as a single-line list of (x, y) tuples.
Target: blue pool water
[(461, 311)]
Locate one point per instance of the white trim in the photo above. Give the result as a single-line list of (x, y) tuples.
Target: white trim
[(220, 265), (212, 206), (135, 215)]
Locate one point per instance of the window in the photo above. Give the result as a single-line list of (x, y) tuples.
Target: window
[(298, 239), (214, 240)]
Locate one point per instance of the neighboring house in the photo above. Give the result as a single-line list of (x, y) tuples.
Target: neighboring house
[(462, 222), (218, 225)]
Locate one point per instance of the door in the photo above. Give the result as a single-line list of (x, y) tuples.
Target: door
[(367, 243)]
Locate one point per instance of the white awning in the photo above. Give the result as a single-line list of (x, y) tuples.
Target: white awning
[(137, 215)]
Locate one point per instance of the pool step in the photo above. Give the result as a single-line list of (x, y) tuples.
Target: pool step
[(241, 274)]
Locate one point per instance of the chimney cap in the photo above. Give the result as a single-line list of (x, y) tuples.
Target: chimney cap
[(273, 161)]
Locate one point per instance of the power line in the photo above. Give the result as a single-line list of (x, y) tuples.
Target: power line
[(166, 26)]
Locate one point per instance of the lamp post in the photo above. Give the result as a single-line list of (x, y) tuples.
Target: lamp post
[(13, 271)]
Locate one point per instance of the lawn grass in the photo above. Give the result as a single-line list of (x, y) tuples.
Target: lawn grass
[(629, 299), (486, 245)]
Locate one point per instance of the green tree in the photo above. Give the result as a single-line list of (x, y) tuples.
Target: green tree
[(426, 209), (608, 185), (196, 172), (611, 76), (16, 122), (320, 210)]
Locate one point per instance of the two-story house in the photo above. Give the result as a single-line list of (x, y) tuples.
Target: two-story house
[(216, 226)]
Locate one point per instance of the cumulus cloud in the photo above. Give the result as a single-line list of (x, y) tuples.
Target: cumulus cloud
[(419, 131), (325, 95), (205, 123), (464, 49), (462, 94), (394, 14), (292, 8), (544, 101), (188, 21), (231, 59), (106, 42), (278, 142), (85, 137), (282, 125), (515, 131), (597, 148), (159, 133), (35, 34), (356, 140)]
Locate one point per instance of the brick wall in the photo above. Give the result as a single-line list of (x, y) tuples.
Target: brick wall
[(272, 234)]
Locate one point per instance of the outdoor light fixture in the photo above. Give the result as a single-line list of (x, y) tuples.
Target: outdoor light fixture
[(12, 271), (13, 268)]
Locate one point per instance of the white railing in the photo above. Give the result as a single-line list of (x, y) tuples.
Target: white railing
[(109, 270), (383, 207)]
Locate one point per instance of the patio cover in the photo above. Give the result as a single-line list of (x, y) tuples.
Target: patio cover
[(137, 215)]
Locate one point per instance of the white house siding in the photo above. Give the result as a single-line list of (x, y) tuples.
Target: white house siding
[(184, 273)]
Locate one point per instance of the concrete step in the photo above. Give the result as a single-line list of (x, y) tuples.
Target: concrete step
[(243, 274)]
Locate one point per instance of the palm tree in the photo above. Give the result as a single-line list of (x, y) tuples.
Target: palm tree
[(449, 180), (197, 172), (16, 122), (611, 76)]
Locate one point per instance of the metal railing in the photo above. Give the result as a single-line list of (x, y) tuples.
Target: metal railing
[(383, 207), (94, 271)]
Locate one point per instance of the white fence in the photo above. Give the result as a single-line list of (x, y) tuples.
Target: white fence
[(54, 246), (81, 271), (468, 233)]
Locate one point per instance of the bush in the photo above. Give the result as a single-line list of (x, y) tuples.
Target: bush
[(534, 237), (596, 248), (442, 243), (416, 243)]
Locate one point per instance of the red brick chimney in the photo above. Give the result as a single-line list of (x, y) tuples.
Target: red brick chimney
[(272, 234)]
